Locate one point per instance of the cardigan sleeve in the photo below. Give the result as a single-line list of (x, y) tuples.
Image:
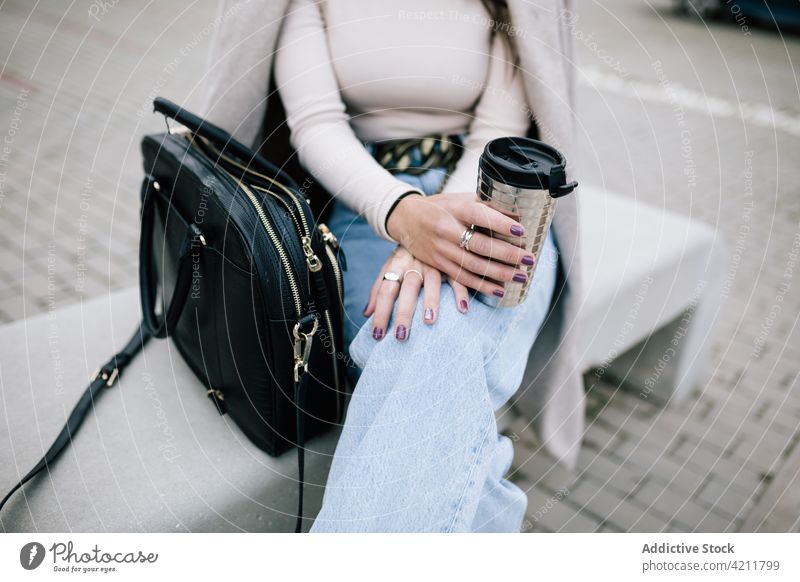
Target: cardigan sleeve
[(320, 131), (501, 111), (238, 66)]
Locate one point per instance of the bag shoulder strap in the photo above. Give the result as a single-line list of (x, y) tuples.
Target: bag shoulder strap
[(107, 375), (300, 394), (104, 377)]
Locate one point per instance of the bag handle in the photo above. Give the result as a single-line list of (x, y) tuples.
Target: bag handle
[(221, 139), (160, 326)]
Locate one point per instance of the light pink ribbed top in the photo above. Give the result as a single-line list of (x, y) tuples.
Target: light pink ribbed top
[(350, 71)]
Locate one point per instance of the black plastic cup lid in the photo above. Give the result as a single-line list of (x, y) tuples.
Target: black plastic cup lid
[(527, 163)]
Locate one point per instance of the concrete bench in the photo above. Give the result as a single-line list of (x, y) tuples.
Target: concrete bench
[(155, 456), (653, 282)]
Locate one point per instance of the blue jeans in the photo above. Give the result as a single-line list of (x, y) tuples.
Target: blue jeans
[(419, 450)]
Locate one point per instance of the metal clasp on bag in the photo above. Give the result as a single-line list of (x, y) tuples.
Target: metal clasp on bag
[(215, 393), (218, 398), (109, 377), (302, 347)]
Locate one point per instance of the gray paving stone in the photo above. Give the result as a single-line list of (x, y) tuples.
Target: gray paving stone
[(727, 501), (746, 476), (532, 468), (602, 468), (673, 505), (611, 508), (689, 519), (681, 475), (548, 511), (764, 452), (599, 436)]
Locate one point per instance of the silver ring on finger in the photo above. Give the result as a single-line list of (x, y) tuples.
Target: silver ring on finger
[(391, 276), (421, 277), (466, 236)]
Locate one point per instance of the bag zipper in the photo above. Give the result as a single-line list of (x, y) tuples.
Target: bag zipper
[(287, 266), (331, 241), (286, 205), (313, 262)]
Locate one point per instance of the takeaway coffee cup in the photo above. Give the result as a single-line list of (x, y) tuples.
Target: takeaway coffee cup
[(522, 178)]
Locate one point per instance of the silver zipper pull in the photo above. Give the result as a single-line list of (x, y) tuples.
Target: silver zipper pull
[(314, 264), (328, 236)]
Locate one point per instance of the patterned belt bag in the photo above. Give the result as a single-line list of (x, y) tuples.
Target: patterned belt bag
[(416, 156)]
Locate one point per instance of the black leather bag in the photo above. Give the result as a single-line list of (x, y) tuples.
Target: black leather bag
[(250, 289)]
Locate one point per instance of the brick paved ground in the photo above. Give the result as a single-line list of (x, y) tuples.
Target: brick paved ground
[(73, 95)]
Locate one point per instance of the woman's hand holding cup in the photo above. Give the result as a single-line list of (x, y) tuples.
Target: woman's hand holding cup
[(432, 228)]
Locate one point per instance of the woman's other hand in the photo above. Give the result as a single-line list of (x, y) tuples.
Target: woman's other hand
[(431, 228), (412, 275)]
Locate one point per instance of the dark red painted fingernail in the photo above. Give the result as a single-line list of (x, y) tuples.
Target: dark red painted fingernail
[(520, 277), (401, 333), (428, 314), (517, 230), (364, 311), (527, 260), (464, 305), (377, 333), (498, 292)]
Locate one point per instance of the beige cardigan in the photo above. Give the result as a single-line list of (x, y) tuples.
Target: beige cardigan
[(236, 85)]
